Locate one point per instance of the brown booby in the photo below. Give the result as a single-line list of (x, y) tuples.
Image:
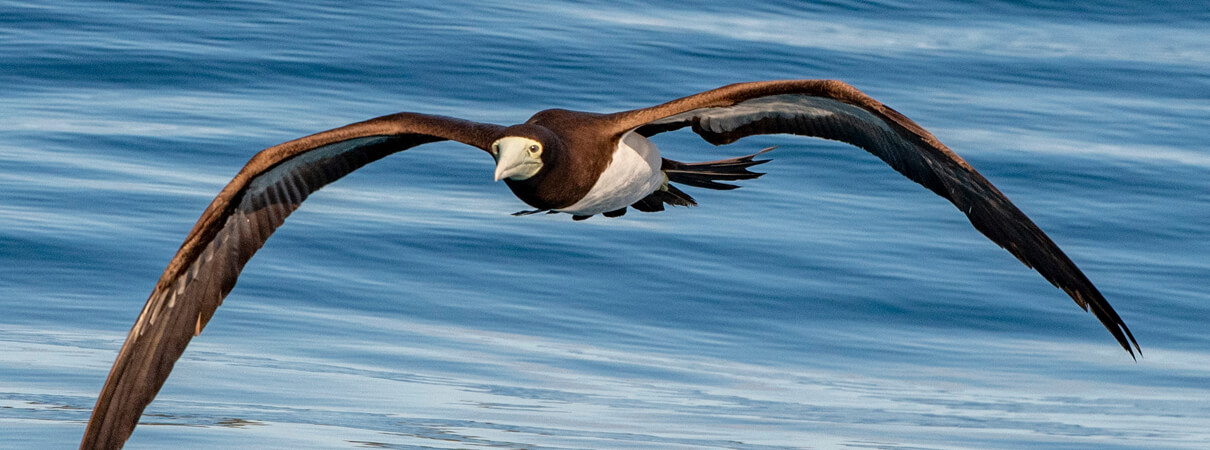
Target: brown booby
[(558, 161)]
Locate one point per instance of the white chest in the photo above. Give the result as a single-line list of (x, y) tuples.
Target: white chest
[(633, 173)]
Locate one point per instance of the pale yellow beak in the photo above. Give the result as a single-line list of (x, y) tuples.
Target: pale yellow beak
[(517, 158)]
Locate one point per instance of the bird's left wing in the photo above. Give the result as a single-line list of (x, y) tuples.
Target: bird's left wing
[(235, 225), (834, 110)]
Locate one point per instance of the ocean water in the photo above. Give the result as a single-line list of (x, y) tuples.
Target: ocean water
[(830, 304)]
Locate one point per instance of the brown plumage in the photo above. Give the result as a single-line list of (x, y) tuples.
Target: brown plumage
[(576, 149)]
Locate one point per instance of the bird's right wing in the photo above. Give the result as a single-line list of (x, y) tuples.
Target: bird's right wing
[(235, 225)]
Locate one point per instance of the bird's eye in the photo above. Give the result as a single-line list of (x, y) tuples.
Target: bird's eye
[(495, 148), (534, 148)]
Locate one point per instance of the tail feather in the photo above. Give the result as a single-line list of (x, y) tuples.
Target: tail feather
[(702, 175), (650, 203), (708, 174), (675, 197), (667, 194)]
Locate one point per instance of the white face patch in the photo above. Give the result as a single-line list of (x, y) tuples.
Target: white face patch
[(517, 158), (633, 173)]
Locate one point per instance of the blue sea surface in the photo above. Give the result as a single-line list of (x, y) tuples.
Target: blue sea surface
[(831, 303)]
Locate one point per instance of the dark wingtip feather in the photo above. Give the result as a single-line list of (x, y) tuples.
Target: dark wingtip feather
[(1030, 245)]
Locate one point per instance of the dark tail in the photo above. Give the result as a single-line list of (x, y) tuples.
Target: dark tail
[(708, 174), (703, 175)]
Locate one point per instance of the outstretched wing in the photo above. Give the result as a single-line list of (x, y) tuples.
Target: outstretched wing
[(235, 225), (834, 110)]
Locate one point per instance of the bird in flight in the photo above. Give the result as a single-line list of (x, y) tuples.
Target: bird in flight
[(558, 161)]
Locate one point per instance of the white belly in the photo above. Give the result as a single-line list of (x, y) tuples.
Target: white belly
[(633, 173)]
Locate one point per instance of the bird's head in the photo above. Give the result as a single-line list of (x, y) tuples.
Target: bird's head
[(523, 152)]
